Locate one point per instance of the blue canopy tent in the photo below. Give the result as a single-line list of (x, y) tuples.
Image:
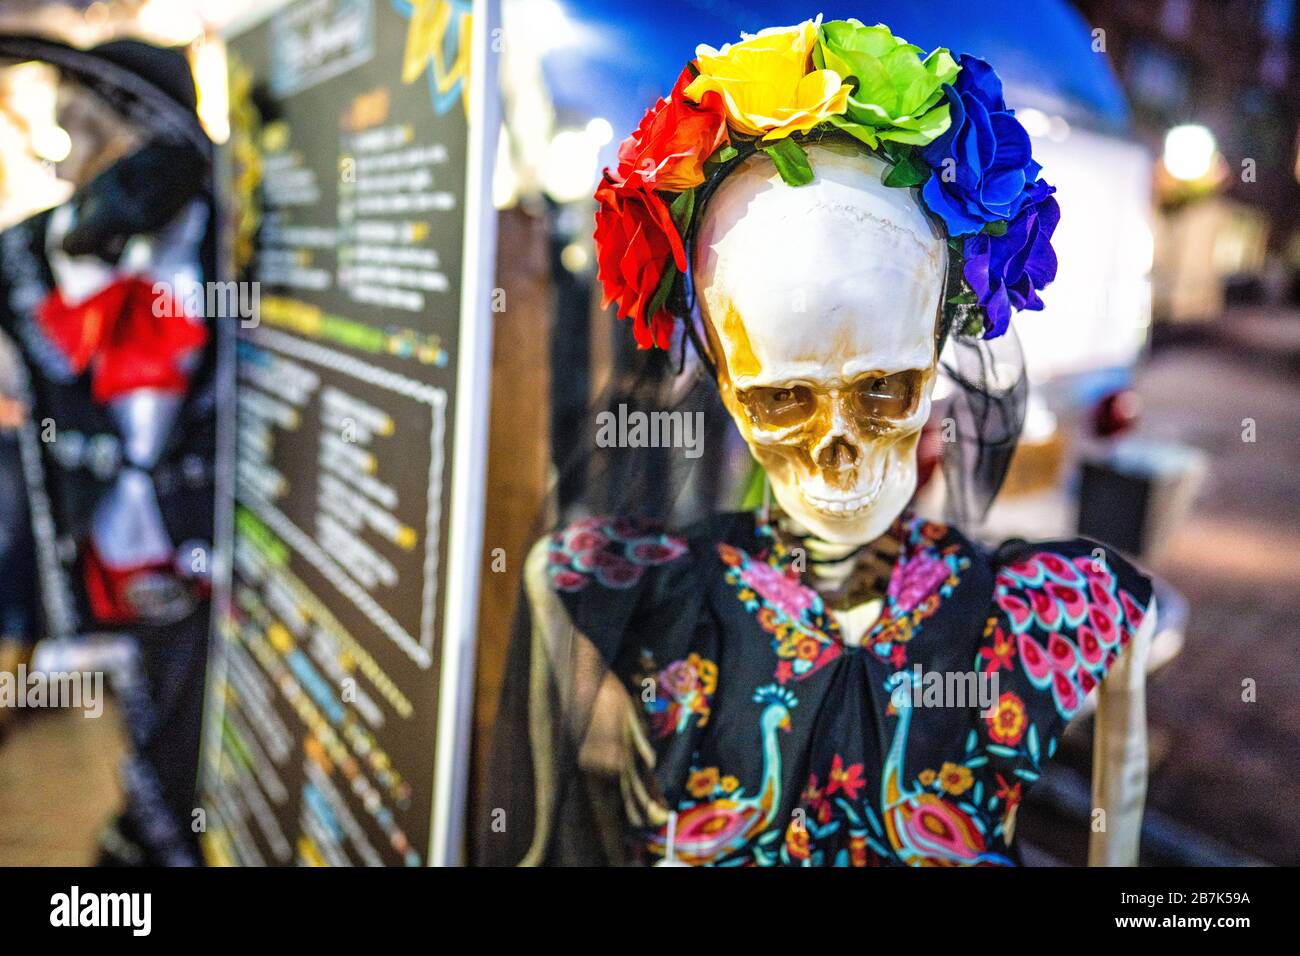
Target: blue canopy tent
[(622, 56)]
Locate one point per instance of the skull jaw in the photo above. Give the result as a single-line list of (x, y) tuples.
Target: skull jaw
[(870, 506)]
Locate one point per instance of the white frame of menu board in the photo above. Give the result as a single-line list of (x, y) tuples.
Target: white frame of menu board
[(469, 434), (469, 437)]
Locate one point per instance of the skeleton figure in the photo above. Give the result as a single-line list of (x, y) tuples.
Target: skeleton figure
[(820, 305)]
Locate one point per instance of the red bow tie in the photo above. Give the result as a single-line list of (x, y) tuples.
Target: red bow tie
[(129, 336)]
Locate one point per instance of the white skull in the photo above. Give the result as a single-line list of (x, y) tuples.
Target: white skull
[(820, 304)]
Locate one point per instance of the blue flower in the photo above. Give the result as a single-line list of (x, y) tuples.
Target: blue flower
[(1006, 271), (982, 166)]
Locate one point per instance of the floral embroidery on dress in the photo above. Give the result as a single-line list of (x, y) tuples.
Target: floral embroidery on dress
[(1009, 720), (1063, 622), (838, 804), (614, 552), (805, 636), (944, 817), (682, 689), (793, 614), (965, 810), (936, 818), (924, 576), (1049, 598)]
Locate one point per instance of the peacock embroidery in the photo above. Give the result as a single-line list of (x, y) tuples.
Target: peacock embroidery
[(923, 829), (726, 822)]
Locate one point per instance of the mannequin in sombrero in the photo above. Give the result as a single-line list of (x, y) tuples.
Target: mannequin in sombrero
[(761, 697)]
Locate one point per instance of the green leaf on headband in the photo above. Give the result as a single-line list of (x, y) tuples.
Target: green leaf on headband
[(721, 156), (662, 290), (681, 210), (724, 154), (893, 150), (998, 228), (791, 162), (908, 171), (867, 134)]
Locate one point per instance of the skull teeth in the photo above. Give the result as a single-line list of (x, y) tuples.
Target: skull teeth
[(840, 506)]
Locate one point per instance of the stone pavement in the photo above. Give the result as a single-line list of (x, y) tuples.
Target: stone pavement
[(58, 786), (1225, 767)]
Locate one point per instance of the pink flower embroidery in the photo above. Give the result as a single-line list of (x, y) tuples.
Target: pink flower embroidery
[(678, 678), (614, 552), (777, 589), (584, 540), (914, 581), (655, 550), (614, 572), (563, 579)]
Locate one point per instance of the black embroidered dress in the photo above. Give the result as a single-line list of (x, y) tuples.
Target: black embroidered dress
[(777, 743)]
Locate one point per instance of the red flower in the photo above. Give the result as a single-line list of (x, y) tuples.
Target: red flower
[(635, 241), (675, 137), (1009, 793), (1008, 723), (815, 799), (636, 238), (846, 779), (1002, 651)]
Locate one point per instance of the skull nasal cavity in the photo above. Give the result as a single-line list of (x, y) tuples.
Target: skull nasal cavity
[(838, 454)]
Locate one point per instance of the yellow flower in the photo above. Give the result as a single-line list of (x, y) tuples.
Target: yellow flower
[(796, 841), (702, 782), (926, 777), (807, 648), (767, 82), (728, 783), (707, 670), (955, 779)]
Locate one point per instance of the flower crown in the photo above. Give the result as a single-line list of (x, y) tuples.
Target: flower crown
[(940, 123)]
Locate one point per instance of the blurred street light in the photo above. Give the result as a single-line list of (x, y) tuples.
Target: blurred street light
[(1190, 152), (600, 130), (572, 164), (51, 143)]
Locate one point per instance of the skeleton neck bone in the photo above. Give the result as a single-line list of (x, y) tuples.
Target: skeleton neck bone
[(847, 577)]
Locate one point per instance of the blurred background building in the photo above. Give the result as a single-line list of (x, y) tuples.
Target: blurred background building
[(1164, 369), (1211, 87)]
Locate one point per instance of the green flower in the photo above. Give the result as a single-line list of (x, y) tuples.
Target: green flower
[(897, 96)]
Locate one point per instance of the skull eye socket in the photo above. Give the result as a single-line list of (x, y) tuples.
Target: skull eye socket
[(887, 396), (779, 407)]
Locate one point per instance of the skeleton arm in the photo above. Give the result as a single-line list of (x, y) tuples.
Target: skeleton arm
[(564, 664), (1119, 755)]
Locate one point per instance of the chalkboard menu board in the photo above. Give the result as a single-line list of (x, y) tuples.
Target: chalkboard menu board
[(354, 419)]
